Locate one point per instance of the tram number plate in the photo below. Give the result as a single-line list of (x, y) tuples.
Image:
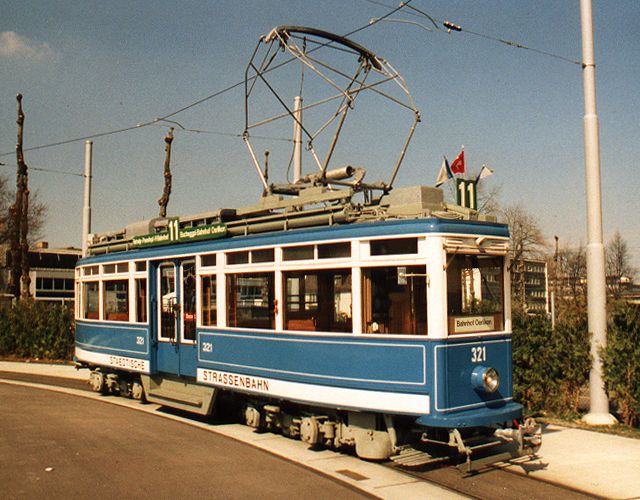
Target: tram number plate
[(466, 193), (207, 347), (478, 354)]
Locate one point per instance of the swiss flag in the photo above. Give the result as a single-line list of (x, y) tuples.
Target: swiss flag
[(457, 165)]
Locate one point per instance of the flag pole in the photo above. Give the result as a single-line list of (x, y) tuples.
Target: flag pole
[(465, 163)]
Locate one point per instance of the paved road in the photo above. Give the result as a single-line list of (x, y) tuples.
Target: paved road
[(56, 445), (376, 479)]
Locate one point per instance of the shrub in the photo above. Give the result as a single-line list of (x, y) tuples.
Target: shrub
[(33, 329), (572, 348), (533, 361), (550, 366), (621, 361)]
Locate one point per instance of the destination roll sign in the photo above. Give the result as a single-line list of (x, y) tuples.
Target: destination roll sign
[(177, 234)]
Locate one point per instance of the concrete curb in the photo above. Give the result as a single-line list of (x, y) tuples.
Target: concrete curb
[(63, 371)]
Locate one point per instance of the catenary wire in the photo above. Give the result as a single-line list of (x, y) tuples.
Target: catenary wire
[(215, 132), (449, 26), (43, 169)]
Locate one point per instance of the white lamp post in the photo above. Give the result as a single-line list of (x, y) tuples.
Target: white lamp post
[(596, 281)]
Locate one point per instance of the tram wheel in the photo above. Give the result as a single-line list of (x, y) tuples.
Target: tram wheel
[(97, 381), (137, 391), (125, 388)]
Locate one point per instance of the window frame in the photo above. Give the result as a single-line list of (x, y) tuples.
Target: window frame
[(104, 294), (272, 299), (500, 317), (84, 302)]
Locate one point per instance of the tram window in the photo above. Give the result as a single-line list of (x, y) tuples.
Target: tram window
[(265, 255), (116, 300), (318, 300), (208, 260), (123, 267), (189, 300), (234, 258), (334, 250), (141, 266), (397, 246), (209, 308), (250, 300), (141, 300), (302, 293), (341, 303), (90, 300), (168, 302), (109, 268), (394, 300), (475, 293), (298, 253)]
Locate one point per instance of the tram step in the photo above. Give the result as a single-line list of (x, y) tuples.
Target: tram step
[(410, 457), (179, 393)]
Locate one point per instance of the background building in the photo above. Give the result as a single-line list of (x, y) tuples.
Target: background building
[(530, 284), (51, 272)]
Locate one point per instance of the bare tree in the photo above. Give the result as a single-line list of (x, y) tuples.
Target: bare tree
[(15, 225), (19, 279), (527, 242), (37, 213), (166, 193), (618, 264), (572, 263), (488, 198)]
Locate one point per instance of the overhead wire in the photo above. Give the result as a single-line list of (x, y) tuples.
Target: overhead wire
[(86, 137), (449, 27), (215, 132), (43, 169), (195, 103)]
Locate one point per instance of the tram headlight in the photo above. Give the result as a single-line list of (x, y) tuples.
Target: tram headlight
[(485, 379)]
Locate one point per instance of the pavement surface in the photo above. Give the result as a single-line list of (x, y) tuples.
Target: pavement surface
[(75, 447), (359, 478), (598, 464)]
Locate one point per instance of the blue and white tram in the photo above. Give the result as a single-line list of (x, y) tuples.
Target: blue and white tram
[(389, 334)]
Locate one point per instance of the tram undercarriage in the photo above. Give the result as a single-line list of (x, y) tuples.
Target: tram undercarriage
[(371, 436)]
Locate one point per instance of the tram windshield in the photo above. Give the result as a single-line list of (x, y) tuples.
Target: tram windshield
[(475, 293)]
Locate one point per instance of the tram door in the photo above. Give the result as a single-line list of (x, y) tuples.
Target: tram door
[(176, 317)]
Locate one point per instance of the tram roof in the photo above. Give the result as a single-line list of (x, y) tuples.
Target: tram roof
[(388, 228)]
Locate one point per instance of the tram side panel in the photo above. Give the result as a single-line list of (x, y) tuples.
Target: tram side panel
[(383, 375), (438, 381), (116, 345)]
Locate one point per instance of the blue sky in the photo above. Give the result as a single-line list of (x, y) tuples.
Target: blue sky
[(87, 67)]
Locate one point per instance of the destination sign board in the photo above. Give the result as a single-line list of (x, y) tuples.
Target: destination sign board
[(177, 234), (468, 324)]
